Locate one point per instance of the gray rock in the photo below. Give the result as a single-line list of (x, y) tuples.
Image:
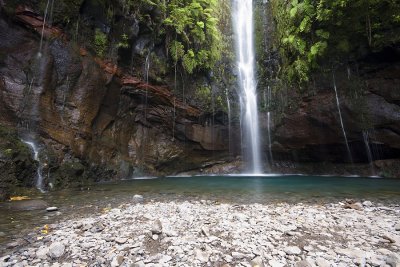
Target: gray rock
[(308, 248), (202, 255), (155, 237), (139, 264), (42, 252), (257, 262), (205, 231), (121, 240), (117, 261), (275, 263), (303, 263), (56, 250), (397, 227), (354, 206), (238, 255), (51, 209), (292, 250), (156, 228), (321, 262), (367, 203), (137, 198), (393, 260), (97, 227)]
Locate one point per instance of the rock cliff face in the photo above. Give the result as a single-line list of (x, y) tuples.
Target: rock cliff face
[(92, 118), (97, 121), (370, 108)]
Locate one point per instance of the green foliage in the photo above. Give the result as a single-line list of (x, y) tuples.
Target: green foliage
[(193, 28), (124, 41), (100, 43), (311, 33), (189, 27), (203, 94)]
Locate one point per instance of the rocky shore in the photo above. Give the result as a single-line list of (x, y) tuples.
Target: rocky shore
[(205, 233)]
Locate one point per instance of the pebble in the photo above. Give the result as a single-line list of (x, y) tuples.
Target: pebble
[(257, 262), (51, 209), (137, 198), (275, 263), (42, 252), (242, 235), (367, 203), (321, 262), (121, 240), (292, 250), (303, 263), (56, 250), (157, 227)]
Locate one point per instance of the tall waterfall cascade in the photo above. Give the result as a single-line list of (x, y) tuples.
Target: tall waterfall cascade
[(243, 25)]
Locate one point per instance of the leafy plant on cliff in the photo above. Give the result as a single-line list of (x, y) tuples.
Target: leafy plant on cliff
[(192, 28), (312, 33), (100, 43)]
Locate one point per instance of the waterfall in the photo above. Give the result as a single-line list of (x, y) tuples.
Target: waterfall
[(39, 177), (228, 104), (341, 119), (243, 24), (43, 26), (146, 73), (269, 137)]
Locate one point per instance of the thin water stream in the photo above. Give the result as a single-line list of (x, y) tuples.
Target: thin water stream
[(341, 119)]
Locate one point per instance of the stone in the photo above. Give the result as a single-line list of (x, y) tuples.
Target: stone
[(393, 260), (238, 255), (121, 240), (321, 262), (139, 264), (155, 237), (393, 238), (308, 248), (397, 227), (97, 227), (51, 209), (56, 250), (275, 263), (292, 250), (156, 228), (303, 263), (257, 262), (367, 203), (354, 206), (205, 231), (202, 255), (42, 252), (351, 253), (137, 198)]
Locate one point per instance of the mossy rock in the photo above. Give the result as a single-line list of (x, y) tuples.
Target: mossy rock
[(17, 167)]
